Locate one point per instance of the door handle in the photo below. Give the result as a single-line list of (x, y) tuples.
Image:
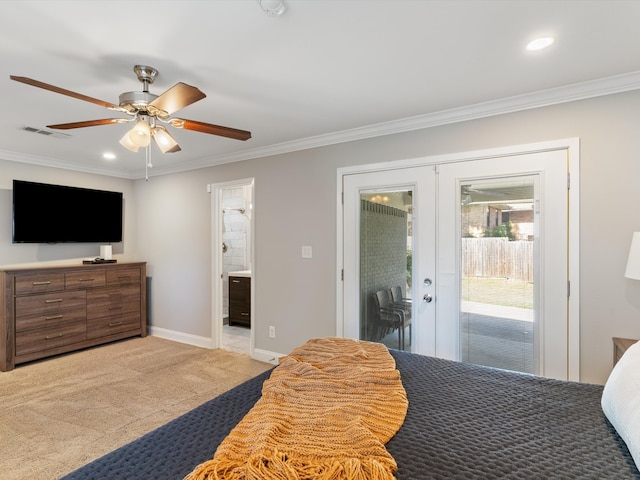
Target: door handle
[(427, 298)]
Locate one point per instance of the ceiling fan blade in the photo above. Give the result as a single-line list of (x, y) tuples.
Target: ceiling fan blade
[(88, 123), (52, 88), (212, 129), (177, 97)]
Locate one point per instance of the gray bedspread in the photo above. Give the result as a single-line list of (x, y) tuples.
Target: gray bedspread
[(463, 422)]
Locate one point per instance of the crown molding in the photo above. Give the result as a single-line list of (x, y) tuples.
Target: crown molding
[(55, 163), (554, 96)]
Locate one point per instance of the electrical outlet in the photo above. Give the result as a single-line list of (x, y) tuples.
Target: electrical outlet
[(272, 331)]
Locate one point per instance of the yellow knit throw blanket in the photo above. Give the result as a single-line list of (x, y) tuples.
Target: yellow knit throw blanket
[(325, 413)]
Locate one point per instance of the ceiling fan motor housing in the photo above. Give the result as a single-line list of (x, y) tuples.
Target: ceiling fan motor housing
[(136, 101)]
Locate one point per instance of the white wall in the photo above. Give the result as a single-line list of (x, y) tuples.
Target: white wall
[(297, 295), (174, 237)]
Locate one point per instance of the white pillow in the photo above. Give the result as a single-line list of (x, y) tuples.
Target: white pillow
[(621, 399)]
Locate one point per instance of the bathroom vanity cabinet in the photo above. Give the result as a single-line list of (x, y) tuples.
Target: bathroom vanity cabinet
[(239, 300)]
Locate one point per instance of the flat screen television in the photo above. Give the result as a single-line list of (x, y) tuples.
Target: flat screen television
[(44, 213)]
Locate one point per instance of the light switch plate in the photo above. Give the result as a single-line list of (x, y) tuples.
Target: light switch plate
[(307, 252)]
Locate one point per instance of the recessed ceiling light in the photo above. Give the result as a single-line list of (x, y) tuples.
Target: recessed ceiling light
[(540, 43), (109, 156)]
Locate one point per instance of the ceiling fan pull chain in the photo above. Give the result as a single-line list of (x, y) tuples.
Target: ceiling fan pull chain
[(148, 164)]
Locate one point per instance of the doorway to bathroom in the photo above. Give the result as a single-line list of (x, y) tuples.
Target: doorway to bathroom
[(233, 286)]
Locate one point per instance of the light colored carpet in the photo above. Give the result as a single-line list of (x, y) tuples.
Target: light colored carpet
[(60, 413)]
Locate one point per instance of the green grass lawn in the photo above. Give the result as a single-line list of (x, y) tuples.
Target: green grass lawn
[(498, 291)]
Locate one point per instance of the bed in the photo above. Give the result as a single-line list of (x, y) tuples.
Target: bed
[(463, 421)]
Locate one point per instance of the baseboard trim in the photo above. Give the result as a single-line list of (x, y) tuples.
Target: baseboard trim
[(189, 339), (266, 356), (206, 342)]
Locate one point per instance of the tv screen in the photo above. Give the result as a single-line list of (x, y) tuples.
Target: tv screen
[(44, 213)]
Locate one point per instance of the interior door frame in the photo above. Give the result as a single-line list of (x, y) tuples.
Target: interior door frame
[(572, 147), (217, 262)]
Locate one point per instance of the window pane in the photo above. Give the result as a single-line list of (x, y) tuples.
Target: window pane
[(385, 267), (497, 288)]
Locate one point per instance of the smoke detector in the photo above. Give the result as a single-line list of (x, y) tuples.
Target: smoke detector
[(274, 8)]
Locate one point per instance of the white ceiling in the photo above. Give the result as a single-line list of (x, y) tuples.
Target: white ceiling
[(326, 71)]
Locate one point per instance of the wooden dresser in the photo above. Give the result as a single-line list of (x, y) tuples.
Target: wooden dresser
[(239, 300), (48, 311)]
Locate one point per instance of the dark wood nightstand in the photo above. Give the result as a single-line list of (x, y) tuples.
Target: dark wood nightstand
[(620, 345)]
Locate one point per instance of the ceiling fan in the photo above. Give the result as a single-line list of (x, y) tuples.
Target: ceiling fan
[(148, 111)]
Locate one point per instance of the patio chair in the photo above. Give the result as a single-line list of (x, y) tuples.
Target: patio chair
[(389, 318)]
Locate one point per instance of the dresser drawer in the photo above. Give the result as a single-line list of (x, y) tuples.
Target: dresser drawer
[(39, 283), (35, 311), (51, 319), (123, 276), (112, 301), (43, 339), (103, 326), (88, 278)]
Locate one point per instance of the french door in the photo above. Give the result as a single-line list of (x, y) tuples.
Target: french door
[(382, 248), (480, 250)]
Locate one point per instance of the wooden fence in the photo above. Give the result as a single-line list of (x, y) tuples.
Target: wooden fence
[(497, 257)]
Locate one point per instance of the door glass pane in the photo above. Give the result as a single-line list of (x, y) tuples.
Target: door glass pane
[(385, 267), (497, 271)]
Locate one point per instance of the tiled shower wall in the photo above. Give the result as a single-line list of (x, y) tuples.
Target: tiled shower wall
[(236, 236)]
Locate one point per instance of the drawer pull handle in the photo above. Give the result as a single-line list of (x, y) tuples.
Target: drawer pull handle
[(87, 279), (50, 337), (37, 284), (53, 317), (115, 324), (235, 281), (54, 300), (245, 314)]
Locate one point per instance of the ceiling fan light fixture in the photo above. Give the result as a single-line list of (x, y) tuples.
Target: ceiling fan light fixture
[(140, 134), (166, 143), (127, 143)]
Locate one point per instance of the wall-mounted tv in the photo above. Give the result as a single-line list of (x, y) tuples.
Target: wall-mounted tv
[(44, 213)]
